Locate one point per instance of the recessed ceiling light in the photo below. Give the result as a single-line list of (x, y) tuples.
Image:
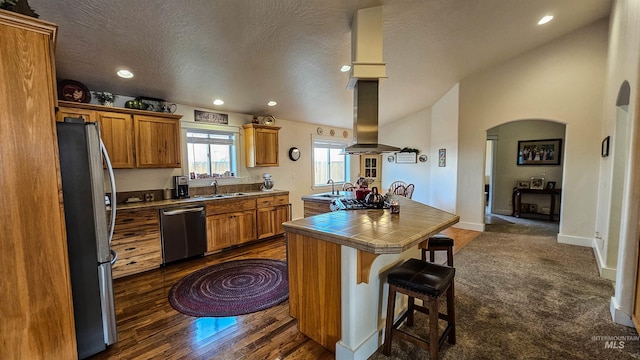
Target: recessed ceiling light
[(218, 102), (545, 19), (272, 103), (124, 73), (345, 68)]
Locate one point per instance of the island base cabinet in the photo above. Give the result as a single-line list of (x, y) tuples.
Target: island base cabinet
[(314, 288)]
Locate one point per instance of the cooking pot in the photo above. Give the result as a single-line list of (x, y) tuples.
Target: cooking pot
[(362, 193), (374, 198)]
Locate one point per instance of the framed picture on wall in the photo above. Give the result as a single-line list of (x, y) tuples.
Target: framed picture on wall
[(539, 152)]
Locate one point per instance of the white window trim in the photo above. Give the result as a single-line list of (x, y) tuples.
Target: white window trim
[(188, 126), (341, 143)]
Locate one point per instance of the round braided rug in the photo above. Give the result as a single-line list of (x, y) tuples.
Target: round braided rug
[(231, 288)]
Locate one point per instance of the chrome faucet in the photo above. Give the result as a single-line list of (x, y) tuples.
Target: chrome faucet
[(333, 188), (214, 183)]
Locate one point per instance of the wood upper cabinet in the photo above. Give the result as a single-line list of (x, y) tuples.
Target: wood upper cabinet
[(116, 130), (133, 138), (86, 115), (157, 142), (37, 306), (261, 145)]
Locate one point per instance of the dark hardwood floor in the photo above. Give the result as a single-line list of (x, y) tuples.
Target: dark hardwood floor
[(149, 328)]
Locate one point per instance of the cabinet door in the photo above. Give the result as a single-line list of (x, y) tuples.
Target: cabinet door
[(116, 130), (246, 226), (36, 307), (86, 115), (266, 147), (219, 233), (281, 214), (157, 142), (265, 224), (371, 168)]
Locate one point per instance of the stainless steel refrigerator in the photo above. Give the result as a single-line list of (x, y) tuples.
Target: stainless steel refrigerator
[(89, 233)]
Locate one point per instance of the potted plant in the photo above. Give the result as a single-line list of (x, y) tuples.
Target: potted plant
[(105, 98)]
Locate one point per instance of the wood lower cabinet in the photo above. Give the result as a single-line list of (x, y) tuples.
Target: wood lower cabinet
[(271, 213), (230, 229), (230, 222), (136, 238), (133, 138), (261, 145), (37, 306)]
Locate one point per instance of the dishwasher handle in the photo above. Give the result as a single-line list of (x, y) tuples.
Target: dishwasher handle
[(181, 211)]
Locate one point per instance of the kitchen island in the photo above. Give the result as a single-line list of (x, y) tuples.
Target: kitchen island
[(337, 269)]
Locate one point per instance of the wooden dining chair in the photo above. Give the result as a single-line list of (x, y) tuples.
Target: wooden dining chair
[(394, 185), (408, 191), (348, 187), (399, 190)]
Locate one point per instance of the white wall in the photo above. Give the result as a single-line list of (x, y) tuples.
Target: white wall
[(562, 81), (414, 132), (428, 130), (622, 65), (508, 172), (294, 176), (444, 135)]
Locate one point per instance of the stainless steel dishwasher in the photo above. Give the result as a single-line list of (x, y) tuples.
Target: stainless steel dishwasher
[(184, 233)]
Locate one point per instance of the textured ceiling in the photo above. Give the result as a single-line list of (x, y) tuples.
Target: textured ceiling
[(250, 51)]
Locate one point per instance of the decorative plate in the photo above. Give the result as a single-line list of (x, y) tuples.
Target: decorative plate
[(422, 158), (391, 158), (294, 154), (268, 120), (319, 130), (71, 90)]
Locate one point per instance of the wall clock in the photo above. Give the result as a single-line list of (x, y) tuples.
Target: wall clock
[(294, 154)]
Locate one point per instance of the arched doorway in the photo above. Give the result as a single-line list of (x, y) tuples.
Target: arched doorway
[(506, 173)]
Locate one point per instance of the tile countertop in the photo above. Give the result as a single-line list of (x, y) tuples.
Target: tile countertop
[(376, 231), (196, 200)]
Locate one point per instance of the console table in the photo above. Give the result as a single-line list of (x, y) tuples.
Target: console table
[(517, 193)]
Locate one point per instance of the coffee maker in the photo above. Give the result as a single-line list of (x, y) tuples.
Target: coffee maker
[(180, 187)]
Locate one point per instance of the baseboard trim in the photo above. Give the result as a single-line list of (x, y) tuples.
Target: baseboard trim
[(505, 212), (605, 272), (574, 240), (469, 226), (618, 316), (363, 352)]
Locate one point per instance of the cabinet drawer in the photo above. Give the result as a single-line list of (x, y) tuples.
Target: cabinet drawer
[(268, 201), (137, 257), (225, 206), (135, 220)]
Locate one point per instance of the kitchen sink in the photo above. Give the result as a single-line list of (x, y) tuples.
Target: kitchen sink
[(210, 196), (330, 195), (217, 196)]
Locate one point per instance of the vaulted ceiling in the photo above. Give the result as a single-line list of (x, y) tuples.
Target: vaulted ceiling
[(248, 52)]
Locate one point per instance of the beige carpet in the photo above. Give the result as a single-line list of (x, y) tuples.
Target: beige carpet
[(528, 297)]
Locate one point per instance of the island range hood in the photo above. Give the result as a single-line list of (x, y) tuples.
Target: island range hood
[(367, 69)]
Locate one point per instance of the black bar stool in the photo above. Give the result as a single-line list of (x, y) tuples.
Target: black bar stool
[(438, 243), (428, 282)]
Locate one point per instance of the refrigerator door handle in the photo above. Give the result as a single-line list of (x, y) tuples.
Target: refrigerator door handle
[(112, 181), (114, 257)]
